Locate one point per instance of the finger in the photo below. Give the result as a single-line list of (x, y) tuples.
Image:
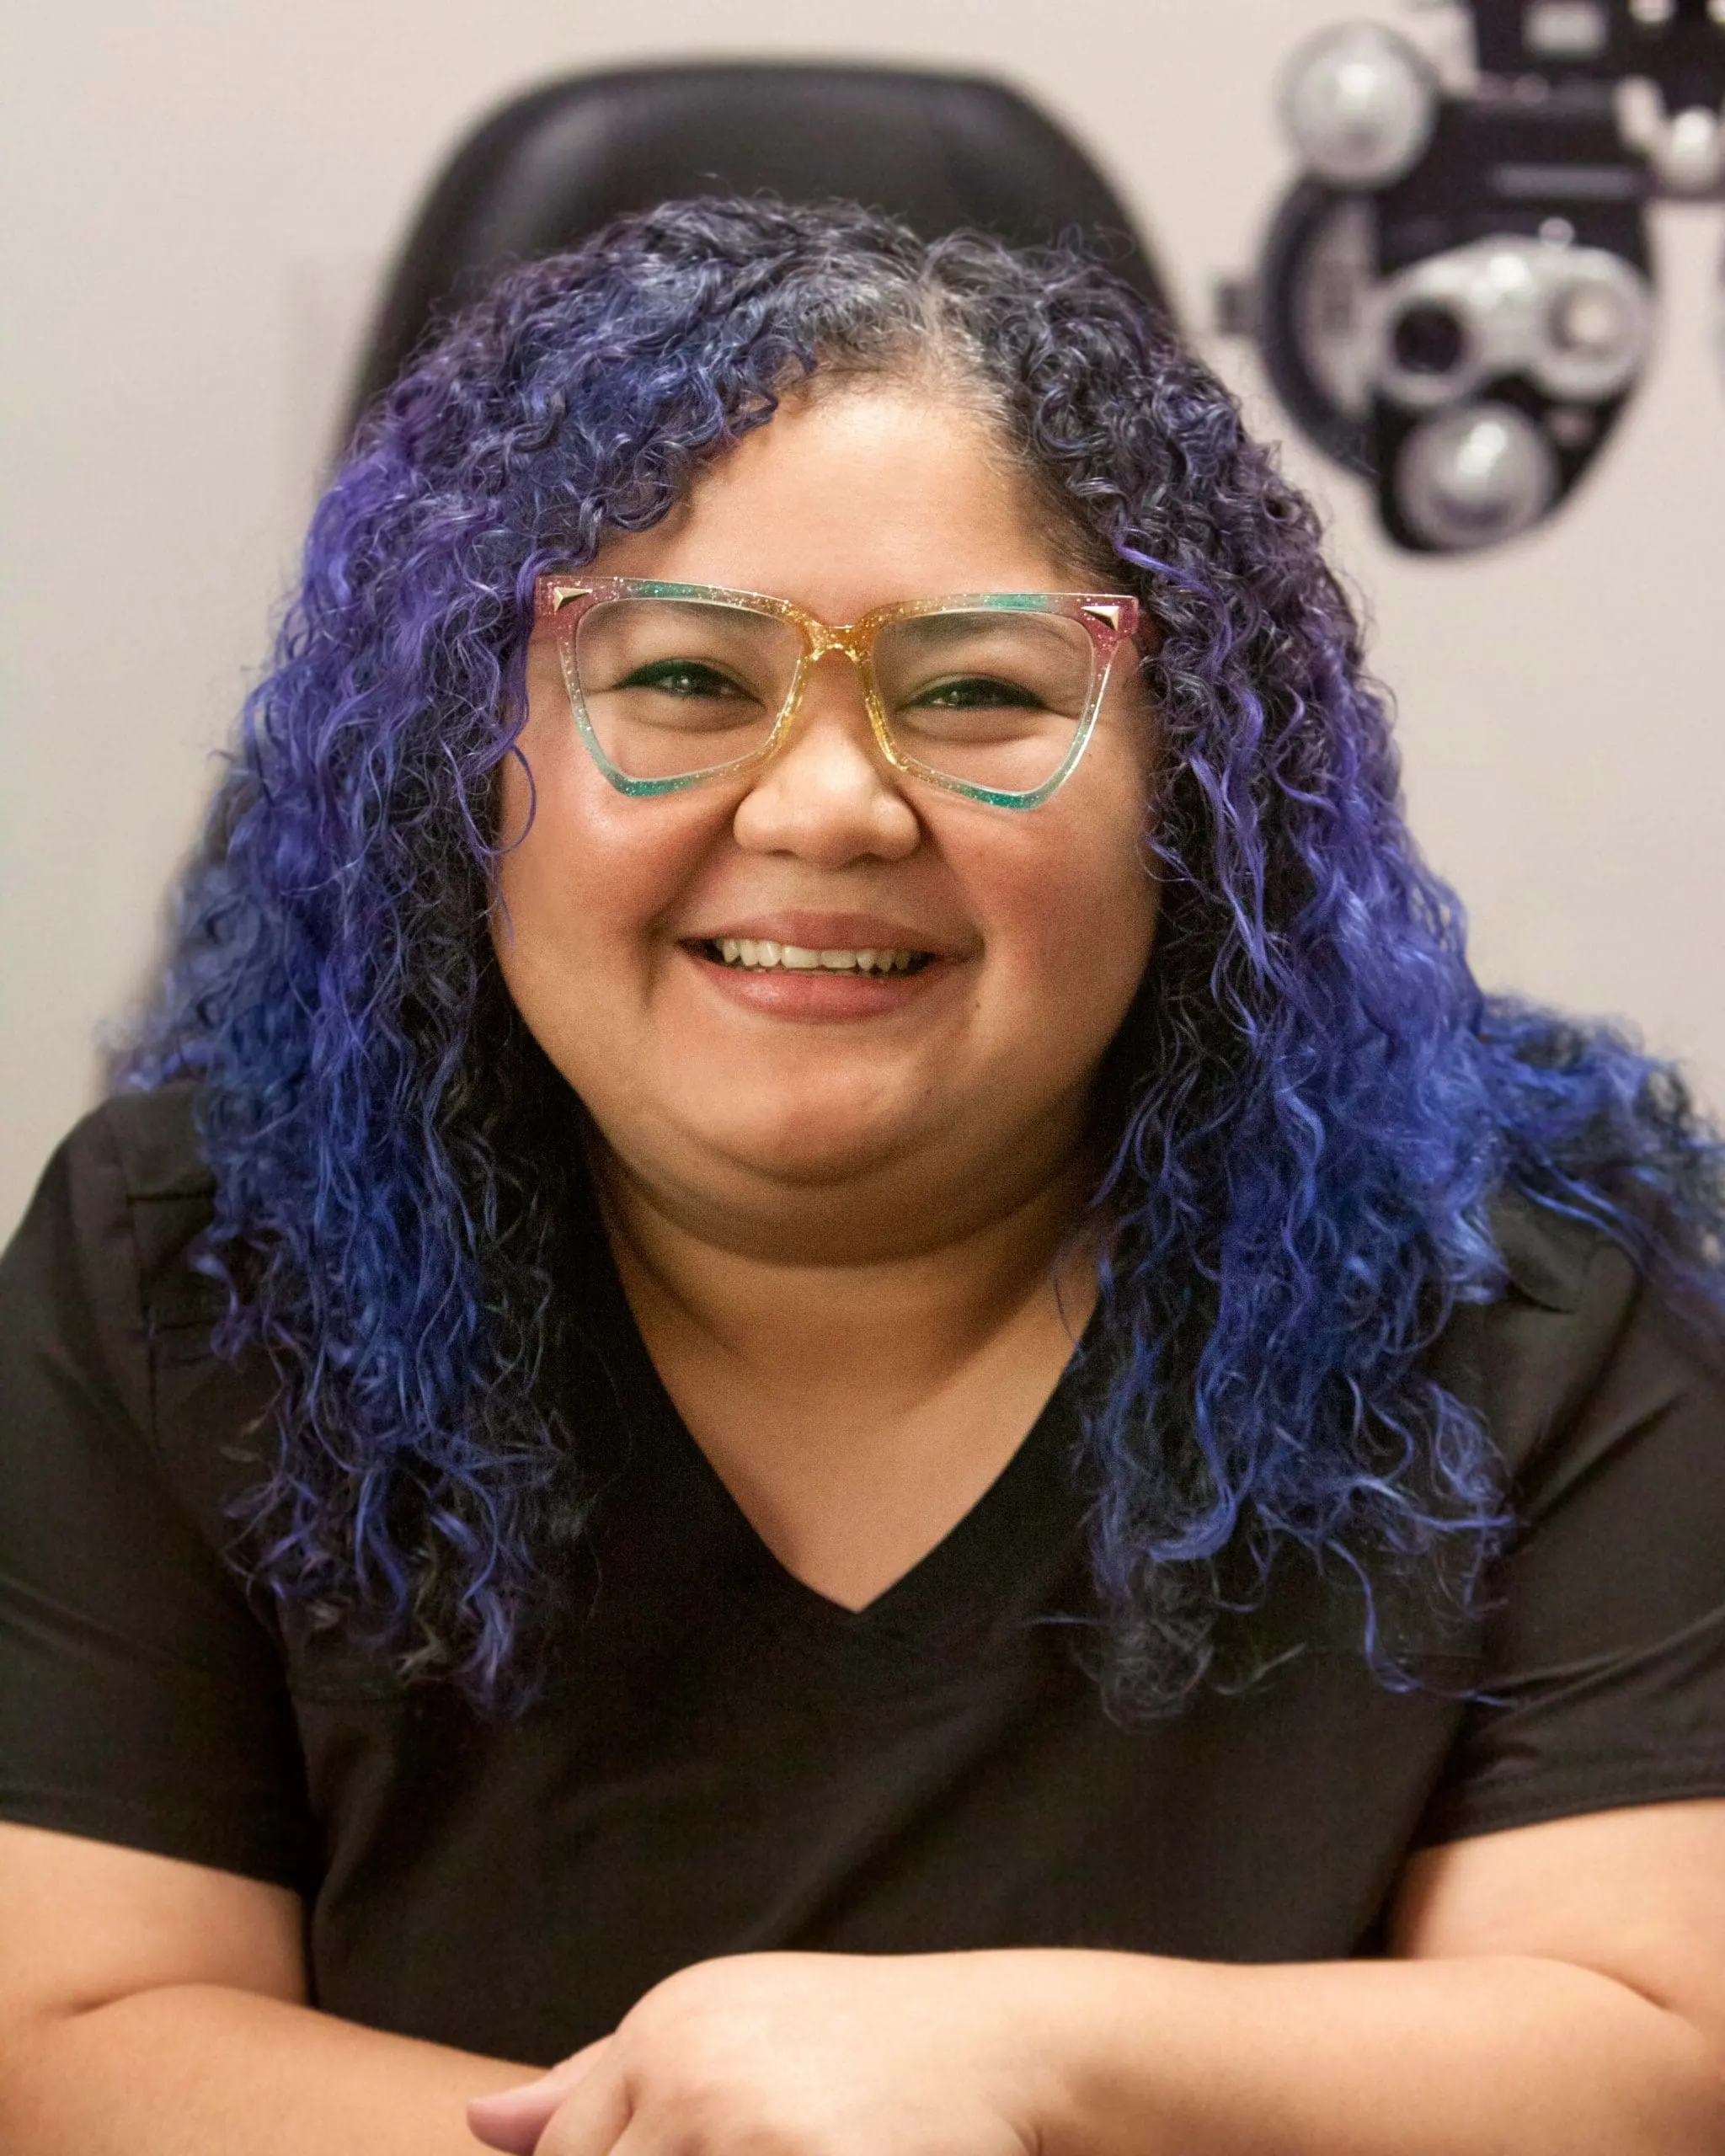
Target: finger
[(490, 2122), (592, 2118), (513, 2119)]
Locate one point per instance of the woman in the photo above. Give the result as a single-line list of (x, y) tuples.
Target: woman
[(826, 1358)]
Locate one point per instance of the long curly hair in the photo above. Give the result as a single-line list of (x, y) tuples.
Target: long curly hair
[(1307, 1113)]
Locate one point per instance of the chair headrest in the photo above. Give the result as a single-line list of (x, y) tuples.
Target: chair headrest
[(940, 151)]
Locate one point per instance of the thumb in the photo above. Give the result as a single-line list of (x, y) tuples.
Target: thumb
[(513, 2119)]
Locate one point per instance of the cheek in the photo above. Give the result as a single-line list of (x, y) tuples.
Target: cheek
[(588, 872), (544, 918), (1070, 912), (1091, 934), (1081, 890)]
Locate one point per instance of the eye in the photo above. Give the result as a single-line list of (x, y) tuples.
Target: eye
[(687, 678), (974, 692)]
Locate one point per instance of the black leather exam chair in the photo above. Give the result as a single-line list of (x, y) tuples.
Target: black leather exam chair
[(938, 150)]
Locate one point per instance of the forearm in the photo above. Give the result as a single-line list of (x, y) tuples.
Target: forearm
[(197, 2070), (1469, 2056)]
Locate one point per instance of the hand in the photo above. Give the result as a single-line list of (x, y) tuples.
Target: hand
[(801, 2055)]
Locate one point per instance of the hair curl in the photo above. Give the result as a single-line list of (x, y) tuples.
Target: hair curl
[(1312, 1102)]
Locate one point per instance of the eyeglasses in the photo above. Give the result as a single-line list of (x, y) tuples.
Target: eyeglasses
[(990, 696)]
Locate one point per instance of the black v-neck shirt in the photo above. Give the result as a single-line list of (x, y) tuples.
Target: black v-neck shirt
[(722, 1760)]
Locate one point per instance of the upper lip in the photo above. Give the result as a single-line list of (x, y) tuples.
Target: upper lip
[(830, 932)]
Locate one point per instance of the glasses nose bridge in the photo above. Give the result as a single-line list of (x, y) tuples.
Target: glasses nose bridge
[(846, 638), (849, 640)]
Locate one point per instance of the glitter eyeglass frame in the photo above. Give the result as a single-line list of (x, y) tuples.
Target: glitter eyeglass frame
[(1110, 619)]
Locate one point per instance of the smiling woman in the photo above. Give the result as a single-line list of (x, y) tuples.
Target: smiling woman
[(822, 1355), (791, 1105)]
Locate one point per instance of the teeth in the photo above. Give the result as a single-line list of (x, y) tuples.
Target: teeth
[(761, 956)]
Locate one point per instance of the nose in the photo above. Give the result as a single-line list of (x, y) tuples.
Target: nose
[(828, 796)]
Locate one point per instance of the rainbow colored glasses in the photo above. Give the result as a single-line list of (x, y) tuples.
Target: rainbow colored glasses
[(991, 696)]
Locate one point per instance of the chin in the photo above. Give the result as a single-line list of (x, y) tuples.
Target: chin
[(811, 1147)]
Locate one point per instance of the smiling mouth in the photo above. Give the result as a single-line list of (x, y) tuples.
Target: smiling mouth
[(750, 954)]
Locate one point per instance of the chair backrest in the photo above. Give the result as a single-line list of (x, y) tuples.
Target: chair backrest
[(939, 151)]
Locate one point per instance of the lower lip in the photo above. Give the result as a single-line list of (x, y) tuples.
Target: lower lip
[(818, 998)]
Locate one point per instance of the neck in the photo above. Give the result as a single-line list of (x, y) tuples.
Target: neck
[(856, 1410), (935, 1299)]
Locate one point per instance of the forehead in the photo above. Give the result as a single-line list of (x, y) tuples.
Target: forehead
[(857, 496)]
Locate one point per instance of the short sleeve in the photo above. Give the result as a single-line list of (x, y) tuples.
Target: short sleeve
[(142, 1700), (1604, 1677)]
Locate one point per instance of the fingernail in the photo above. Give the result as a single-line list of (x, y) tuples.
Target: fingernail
[(508, 2095)]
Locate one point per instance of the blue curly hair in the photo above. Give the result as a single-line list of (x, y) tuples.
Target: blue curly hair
[(1305, 1118)]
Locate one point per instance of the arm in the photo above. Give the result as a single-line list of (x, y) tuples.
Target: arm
[(1562, 1990), (1558, 1990), (153, 2007)]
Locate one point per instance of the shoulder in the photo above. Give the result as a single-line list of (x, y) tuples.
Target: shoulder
[(136, 1196), (141, 1682), (135, 1150), (1576, 1340), (169, 1195), (146, 1145), (153, 1137), (103, 1267)]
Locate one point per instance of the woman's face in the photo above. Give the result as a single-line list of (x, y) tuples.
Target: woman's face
[(898, 1107)]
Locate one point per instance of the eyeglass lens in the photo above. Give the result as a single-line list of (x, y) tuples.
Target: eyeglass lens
[(992, 697)]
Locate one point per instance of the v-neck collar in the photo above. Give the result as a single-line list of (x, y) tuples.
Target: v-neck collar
[(1026, 1514)]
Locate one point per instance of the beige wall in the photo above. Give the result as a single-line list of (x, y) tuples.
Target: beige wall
[(201, 195)]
